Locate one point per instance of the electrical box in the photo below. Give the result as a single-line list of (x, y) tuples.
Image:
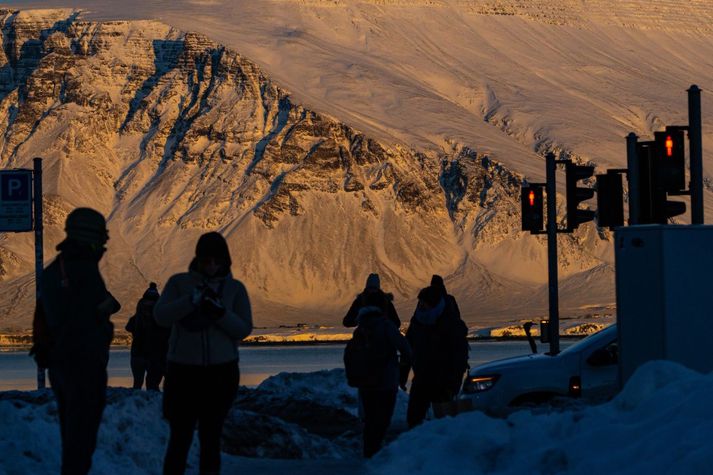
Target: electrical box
[(664, 296)]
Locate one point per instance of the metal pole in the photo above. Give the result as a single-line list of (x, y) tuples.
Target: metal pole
[(695, 136), (632, 175), (552, 254), (39, 248)]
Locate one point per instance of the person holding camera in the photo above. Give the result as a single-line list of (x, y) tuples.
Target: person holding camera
[(209, 313)]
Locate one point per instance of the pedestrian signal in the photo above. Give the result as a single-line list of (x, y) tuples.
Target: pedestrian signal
[(532, 208), (669, 167)]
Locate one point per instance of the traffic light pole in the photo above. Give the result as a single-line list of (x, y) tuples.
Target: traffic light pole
[(696, 152), (39, 247), (554, 323)]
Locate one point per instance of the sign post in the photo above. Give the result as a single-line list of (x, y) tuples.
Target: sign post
[(19, 190)]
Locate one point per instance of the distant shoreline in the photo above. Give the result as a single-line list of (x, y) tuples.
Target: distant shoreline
[(21, 345)]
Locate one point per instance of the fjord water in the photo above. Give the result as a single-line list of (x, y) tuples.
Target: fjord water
[(17, 369)]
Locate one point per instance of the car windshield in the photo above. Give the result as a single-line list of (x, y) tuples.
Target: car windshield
[(603, 335)]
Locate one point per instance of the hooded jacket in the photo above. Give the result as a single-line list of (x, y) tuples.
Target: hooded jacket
[(388, 339), (218, 342), (438, 339)]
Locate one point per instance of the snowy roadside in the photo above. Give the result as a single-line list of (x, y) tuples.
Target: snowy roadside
[(306, 423), (291, 421), (662, 422)]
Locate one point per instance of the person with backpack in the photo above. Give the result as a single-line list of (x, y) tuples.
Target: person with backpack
[(72, 333), (381, 299), (438, 339), (372, 365), (208, 312), (149, 342)]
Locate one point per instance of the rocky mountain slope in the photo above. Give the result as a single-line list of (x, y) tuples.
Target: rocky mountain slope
[(171, 134)]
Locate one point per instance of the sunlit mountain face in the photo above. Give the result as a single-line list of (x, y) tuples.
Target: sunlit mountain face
[(328, 140)]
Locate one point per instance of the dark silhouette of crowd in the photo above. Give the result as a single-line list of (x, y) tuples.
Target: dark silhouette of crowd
[(435, 348), (188, 335)]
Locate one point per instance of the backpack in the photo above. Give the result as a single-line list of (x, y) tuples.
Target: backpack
[(365, 358)]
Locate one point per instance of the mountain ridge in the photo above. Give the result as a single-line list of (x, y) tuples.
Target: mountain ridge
[(172, 134)]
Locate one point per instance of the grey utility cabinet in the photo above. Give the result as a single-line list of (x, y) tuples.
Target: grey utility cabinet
[(664, 295)]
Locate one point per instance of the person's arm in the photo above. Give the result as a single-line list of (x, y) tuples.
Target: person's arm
[(350, 319), (172, 306), (404, 349), (401, 344), (131, 325), (393, 316), (237, 321), (454, 306)]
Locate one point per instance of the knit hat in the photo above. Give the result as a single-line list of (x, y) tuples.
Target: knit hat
[(373, 282), (214, 245), (152, 292), (86, 225)]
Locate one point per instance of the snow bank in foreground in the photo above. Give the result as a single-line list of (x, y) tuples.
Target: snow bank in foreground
[(661, 423), (292, 416), (132, 438)]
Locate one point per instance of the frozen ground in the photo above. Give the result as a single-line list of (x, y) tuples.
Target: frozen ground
[(661, 423)]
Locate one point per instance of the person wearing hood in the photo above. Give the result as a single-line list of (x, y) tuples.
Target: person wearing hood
[(72, 333), (209, 313), (372, 291), (438, 339), (377, 376), (149, 342)]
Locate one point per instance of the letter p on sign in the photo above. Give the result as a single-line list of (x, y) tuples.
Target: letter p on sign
[(15, 187)]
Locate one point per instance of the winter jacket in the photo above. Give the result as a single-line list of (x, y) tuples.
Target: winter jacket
[(387, 307), (387, 340), (76, 307), (218, 342), (438, 339), (148, 339)]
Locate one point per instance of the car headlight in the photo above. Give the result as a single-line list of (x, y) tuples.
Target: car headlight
[(478, 384)]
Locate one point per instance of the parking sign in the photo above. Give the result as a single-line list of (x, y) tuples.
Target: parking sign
[(15, 200)]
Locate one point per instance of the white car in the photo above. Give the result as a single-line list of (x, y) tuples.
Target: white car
[(587, 369)]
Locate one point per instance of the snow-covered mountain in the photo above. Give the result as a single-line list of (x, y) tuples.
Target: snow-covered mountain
[(399, 148)]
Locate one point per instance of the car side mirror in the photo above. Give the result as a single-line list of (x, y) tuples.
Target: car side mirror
[(602, 357)]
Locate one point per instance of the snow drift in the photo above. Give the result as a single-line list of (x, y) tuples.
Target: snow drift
[(662, 422)]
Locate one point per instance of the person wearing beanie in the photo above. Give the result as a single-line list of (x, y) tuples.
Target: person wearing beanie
[(208, 312), (72, 333), (372, 291), (438, 339), (149, 342)]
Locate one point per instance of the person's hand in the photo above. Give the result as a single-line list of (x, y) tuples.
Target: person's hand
[(197, 295), (403, 387), (211, 306)]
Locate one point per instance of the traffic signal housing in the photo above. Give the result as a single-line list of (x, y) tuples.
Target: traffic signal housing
[(576, 194), (532, 208), (657, 178), (669, 167), (610, 200)]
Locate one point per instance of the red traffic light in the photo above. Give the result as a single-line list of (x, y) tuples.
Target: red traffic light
[(531, 197), (669, 146)]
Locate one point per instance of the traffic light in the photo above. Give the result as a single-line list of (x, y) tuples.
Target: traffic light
[(644, 152), (669, 166), (655, 179), (532, 208), (610, 200), (576, 194)]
